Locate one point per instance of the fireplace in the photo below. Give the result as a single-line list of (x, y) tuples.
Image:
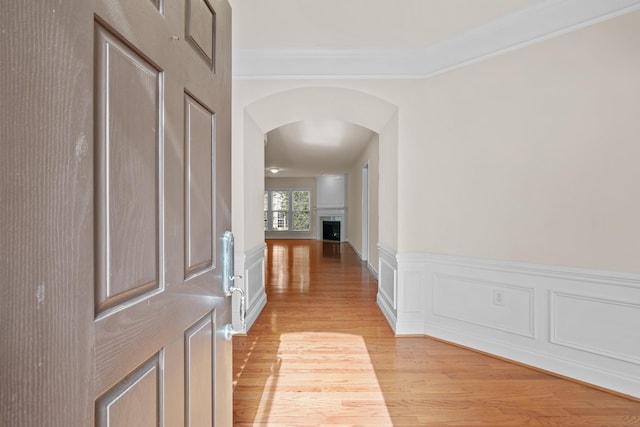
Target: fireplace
[(331, 230), (331, 225)]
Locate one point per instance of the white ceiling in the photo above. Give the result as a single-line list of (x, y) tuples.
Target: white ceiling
[(381, 38), (314, 147)]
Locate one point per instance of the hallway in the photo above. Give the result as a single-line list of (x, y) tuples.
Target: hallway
[(322, 353)]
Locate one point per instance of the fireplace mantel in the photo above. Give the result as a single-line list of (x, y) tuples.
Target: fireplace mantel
[(332, 214)]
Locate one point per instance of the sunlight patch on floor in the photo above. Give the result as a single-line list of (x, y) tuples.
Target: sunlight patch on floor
[(313, 374)]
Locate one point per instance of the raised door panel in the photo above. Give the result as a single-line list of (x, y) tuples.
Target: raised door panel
[(199, 373), (135, 401), (199, 151), (128, 105), (201, 29)]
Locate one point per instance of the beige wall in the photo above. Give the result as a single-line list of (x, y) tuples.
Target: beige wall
[(247, 183), (354, 201), (528, 156), (531, 156)]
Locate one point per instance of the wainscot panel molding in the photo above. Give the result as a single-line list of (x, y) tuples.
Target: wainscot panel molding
[(457, 298), (388, 284), (253, 284), (606, 317), (578, 323)]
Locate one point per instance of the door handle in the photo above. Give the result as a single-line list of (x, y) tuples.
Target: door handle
[(229, 278)]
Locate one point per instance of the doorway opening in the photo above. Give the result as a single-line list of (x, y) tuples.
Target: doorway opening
[(365, 212)]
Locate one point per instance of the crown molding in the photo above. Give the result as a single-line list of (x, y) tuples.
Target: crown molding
[(540, 21)]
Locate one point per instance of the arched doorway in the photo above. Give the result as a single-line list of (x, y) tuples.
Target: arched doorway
[(288, 106)]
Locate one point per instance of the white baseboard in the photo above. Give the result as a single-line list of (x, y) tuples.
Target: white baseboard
[(355, 249), (388, 312), (574, 322), (373, 271), (371, 268)]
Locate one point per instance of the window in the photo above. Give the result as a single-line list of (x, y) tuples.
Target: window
[(287, 210), (301, 210)]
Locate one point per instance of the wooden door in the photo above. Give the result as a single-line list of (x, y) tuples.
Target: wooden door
[(115, 199)]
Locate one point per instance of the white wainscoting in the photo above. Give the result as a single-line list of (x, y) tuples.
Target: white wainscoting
[(251, 263), (388, 284), (607, 330), (472, 301), (582, 324)]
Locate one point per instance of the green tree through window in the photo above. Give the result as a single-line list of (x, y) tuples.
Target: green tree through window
[(301, 210), (287, 210)]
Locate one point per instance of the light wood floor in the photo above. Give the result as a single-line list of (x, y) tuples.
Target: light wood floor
[(321, 353)]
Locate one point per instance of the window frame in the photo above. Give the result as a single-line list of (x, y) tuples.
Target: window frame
[(269, 211)]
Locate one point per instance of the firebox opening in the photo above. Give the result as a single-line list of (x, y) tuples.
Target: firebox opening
[(331, 230)]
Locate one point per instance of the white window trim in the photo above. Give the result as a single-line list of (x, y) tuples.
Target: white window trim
[(290, 211)]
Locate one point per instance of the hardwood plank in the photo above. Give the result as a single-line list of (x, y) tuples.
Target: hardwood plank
[(321, 353)]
